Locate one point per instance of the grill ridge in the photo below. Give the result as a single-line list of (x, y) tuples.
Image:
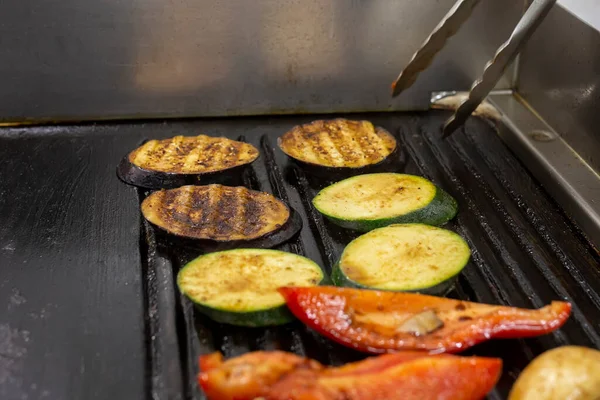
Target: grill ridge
[(501, 246), (526, 251), (543, 265), (538, 223)]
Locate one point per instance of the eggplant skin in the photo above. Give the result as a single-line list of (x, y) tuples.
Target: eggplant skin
[(215, 212), (288, 231), (338, 143), (192, 155), (142, 178)]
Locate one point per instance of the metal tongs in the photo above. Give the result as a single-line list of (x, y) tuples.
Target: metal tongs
[(494, 69)]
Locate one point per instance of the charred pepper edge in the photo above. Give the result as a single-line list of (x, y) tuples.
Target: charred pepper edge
[(381, 366), (562, 310)]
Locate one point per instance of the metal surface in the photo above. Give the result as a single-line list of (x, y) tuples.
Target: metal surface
[(560, 79), (505, 55), (78, 59), (81, 287), (450, 24), (71, 298), (566, 176), (586, 10), (452, 100)]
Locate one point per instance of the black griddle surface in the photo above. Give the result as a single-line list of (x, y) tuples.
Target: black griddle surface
[(526, 251)]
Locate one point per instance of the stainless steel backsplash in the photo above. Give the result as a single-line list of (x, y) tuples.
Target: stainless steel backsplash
[(85, 59), (559, 76)]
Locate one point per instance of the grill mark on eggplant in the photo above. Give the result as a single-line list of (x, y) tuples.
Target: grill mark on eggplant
[(309, 142), (352, 148), (170, 150), (234, 155), (251, 213), (343, 136), (226, 211), (212, 197), (371, 142), (203, 201), (338, 143), (209, 151), (331, 144), (144, 150), (192, 155), (215, 212), (171, 206)]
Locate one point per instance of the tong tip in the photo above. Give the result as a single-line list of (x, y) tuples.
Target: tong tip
[(396, 89), (450, 127)]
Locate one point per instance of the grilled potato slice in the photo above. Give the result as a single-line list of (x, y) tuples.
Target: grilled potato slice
[(215, 212), (338, 143), (566, 372), (192, 155)]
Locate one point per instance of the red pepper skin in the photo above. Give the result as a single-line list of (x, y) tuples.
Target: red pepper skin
[(368, 320), (247, 376), (424, 377), (405, 375), (210, 361)]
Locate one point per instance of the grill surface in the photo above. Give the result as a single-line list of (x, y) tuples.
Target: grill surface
[(526, 252), (80, 293)]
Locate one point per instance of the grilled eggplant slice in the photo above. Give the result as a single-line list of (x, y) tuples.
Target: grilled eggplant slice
[(185, 160), (339, 147), (217, 217)]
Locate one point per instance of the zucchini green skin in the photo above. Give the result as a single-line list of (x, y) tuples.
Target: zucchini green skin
[(274, 316), (441, 289), (135, 176), (438, 284), (439, 211)]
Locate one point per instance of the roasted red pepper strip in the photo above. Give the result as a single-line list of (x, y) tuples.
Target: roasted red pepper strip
[(372, 321), (406, 376), (211, 361), (247, 376)]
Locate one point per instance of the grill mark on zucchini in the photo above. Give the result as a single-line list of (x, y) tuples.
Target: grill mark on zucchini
[(338, 143), (215, 212), (192, 155)]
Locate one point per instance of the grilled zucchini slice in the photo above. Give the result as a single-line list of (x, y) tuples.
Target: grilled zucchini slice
[(217, 213), (403, 257), (239, 287), (338, 145), (370, 201), (185, 160)]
